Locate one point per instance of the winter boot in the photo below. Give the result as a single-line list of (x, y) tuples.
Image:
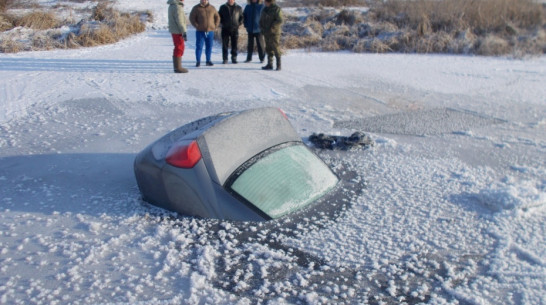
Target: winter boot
[(177, 63), (278, 63), (234, 59), (269, 65), (248, 59)]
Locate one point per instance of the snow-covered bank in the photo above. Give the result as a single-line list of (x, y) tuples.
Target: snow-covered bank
[(453, 210)]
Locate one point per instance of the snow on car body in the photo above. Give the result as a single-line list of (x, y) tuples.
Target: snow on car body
[(248, 165)]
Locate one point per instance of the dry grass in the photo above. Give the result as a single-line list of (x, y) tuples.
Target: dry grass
[(104, 11), (5, 4), (115, 26), (324, 3), (350, 18), (6, 22), (126, 25), (484, 27), (302, 34), (42, 41), (91, 35), (11, 46), (493, 45), (38, 20), (106, 25), (373, 45), (451, 15), (329, 44)]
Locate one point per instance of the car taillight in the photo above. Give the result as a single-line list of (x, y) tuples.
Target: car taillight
[(184, 154)]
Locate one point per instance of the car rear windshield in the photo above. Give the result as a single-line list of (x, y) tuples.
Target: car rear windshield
[(283, 180)]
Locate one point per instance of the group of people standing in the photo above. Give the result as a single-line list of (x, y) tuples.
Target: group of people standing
[(262, 22)]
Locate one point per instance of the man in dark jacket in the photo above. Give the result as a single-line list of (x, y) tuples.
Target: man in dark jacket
[(252, 24), (231, 17), (271, 25)]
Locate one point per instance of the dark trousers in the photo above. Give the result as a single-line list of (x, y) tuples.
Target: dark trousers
[(272, 47), (259, 43), (228, 35)]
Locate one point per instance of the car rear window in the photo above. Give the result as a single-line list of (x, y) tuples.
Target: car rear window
[(283, 180)]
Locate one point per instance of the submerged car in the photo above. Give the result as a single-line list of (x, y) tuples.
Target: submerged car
[(249, 165)]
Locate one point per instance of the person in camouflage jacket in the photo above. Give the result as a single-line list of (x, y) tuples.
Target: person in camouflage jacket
[(271, 21)]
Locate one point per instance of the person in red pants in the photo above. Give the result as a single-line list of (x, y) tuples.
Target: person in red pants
[(177, 28)]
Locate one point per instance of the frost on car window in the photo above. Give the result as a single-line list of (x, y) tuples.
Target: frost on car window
[(285, 181)]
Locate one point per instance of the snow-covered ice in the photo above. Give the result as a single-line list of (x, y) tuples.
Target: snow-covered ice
[(452, 212)]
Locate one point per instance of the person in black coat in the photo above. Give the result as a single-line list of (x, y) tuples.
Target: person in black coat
[(252, 24), (231, 18)]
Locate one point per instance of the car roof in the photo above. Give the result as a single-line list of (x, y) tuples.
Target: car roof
[(237, 138)]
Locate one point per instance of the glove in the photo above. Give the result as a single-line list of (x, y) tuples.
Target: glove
[(185, 37)]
